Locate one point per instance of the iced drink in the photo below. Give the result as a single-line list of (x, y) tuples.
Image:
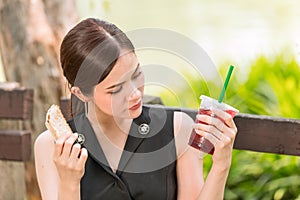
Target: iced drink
[(207, 104)]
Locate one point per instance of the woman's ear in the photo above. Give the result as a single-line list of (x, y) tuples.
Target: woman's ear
[(77, 92)]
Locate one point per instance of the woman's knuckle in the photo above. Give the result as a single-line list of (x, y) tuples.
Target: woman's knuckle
[(218, 123), (76, 146), (235, 129), (221, 145), (79, 169), (227, 117), (227, 140), (210, 128), (231, 135), (69, 142), (59, 144), (71, 166)]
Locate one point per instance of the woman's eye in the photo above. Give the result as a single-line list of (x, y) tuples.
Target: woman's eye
[(116, 90), (137, 75)]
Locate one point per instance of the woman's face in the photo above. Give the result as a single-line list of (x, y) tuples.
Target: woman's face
[(120, 93)]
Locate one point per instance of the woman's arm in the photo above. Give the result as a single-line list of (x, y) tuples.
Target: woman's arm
[(221, 132), (59, 166), (189, 164), (222, 135), (45, 168)]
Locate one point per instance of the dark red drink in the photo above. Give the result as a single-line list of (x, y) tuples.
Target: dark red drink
[(196, 140)]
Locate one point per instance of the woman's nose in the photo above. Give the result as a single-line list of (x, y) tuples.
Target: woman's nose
[(135, 93)]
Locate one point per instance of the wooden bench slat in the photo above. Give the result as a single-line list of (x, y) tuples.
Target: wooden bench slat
[(264, 133), (268, 134), (16, 104), (15, 145)]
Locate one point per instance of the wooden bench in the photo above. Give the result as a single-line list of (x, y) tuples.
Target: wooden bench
[(15, 142), (16, 111), (255, 132), (264, 133)]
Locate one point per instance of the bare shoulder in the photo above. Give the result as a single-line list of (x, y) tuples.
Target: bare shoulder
[(44, 147), (182, 120), (183, 125), (44, 141)]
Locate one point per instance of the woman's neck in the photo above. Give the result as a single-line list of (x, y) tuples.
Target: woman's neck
[(109, 125), (111, 132)]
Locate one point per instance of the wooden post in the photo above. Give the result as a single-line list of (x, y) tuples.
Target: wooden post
[(16, 106), (12, 175), (15, 145)]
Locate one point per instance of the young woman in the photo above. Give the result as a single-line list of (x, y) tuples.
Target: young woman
[(130, 151)]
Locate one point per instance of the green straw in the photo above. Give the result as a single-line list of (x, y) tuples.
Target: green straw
[(225, 83)]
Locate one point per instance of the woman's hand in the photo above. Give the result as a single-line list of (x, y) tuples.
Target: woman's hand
[(221, 131), (69, 159)]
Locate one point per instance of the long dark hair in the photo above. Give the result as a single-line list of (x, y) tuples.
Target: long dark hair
[(88, 53)]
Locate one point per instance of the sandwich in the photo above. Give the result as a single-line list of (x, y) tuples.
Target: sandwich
[(56, 122)]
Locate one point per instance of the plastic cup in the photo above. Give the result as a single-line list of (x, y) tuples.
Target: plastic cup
[(206, 106)]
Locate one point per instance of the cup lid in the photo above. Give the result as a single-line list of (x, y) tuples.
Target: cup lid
[(208, 103)]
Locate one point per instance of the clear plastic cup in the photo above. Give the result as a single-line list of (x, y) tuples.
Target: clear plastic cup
[(207, 104)]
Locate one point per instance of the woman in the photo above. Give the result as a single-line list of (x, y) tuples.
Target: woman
[(130, 151)]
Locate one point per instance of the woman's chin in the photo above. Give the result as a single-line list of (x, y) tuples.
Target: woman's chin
[(135, 113)]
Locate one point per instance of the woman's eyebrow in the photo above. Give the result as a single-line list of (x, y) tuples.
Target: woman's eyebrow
[(118, 84)]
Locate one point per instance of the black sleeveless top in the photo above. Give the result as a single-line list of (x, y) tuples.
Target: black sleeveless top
[(147, 168)]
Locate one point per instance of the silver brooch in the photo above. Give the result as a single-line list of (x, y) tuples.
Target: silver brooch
[(144, 129), (80, 138)]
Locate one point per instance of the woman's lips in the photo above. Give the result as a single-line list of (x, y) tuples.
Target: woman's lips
[(136, 106)]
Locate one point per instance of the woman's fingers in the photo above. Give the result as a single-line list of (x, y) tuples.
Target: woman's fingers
[(68, 146), (210, 137), (83, 157), (59, 145), (219, 128), (216, 138), (77, 157), (220, 120), (69, 157), (225, 117), (75, 152), (211, 120), (209, 129), (66, 149)]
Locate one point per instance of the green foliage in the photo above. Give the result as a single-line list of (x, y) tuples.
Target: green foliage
[(271, 88)]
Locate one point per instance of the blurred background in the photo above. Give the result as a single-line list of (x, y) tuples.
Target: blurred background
[(238, 31), (260, 38), (235, 30)]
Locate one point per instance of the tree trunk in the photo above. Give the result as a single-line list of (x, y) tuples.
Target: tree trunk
[(30, 34)]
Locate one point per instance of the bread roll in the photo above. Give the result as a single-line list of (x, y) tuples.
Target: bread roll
[(56, 123)]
